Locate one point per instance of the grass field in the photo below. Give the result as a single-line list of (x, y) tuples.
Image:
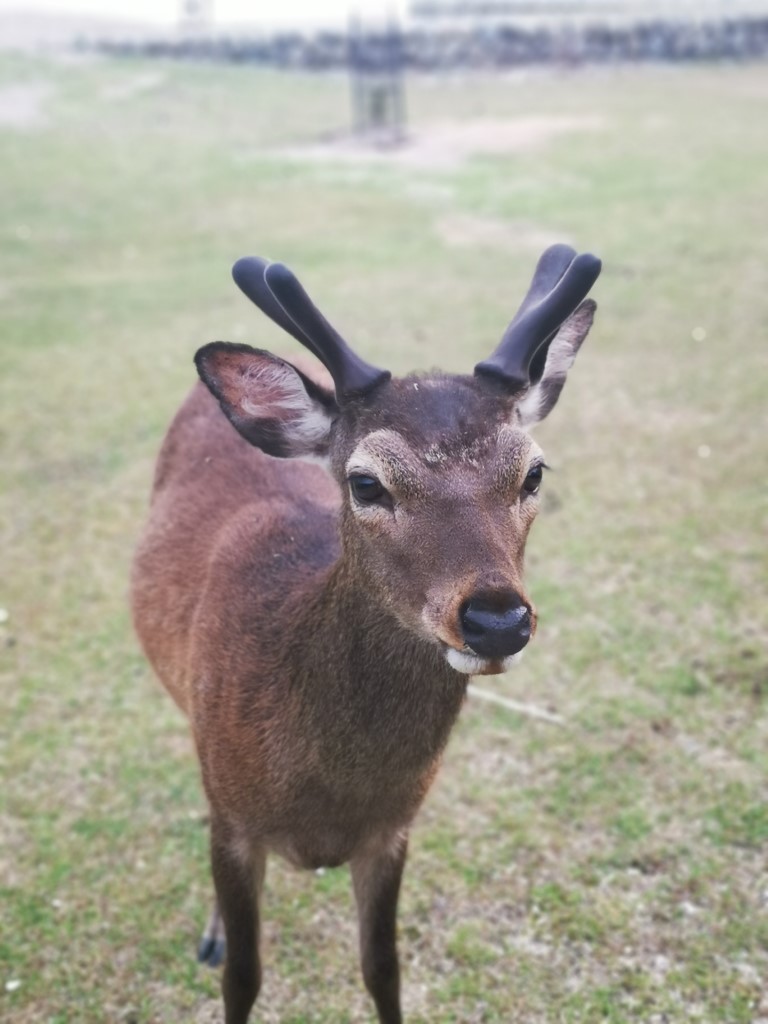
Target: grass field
[(612, 869)]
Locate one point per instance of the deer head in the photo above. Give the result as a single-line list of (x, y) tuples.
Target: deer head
[(438, 474)]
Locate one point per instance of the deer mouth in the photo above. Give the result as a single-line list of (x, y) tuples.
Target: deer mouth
[(471, 664)]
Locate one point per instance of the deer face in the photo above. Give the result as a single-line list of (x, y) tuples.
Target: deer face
[(438, 474), (440, 488)]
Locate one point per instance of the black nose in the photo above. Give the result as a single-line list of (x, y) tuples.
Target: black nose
[(495, 625)]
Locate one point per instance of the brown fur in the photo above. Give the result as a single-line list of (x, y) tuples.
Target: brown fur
[(238, 546), (305, 637)]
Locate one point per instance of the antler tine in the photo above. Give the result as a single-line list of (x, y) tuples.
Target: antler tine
[(351, 374), (561, 281), (278, 293), (248, 275)]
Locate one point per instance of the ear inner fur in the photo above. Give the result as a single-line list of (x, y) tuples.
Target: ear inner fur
[(270, 402)]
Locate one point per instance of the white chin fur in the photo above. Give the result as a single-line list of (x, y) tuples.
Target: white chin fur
[(473, 664)]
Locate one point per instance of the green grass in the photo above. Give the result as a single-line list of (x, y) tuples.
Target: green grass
[(611, 870)]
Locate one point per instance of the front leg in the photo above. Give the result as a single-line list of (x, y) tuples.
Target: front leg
[(238, 874), (376, 877)]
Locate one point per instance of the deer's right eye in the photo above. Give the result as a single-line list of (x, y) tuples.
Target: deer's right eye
[(366, 489), (532, 482)]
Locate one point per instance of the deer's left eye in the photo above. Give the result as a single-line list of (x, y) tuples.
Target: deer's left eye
[(532, 481), (366, 489)]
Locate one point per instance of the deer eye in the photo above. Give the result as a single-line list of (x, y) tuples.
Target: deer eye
[(366, 489), (532, 481)]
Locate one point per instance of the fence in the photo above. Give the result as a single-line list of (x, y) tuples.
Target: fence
[(501, 47)]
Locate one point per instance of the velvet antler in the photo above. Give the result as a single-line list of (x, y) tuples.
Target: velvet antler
[(278, 293), (561, 281)]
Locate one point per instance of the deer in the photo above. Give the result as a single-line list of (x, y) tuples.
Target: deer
[(331, 554)]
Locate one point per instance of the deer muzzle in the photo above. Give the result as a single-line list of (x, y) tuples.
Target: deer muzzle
[(495, 626)]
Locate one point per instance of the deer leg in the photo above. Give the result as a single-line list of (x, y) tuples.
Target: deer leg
[(238, 877), (213, 942), (376, 877)]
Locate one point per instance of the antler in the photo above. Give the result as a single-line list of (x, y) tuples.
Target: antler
[(561, 281), (278, 293)]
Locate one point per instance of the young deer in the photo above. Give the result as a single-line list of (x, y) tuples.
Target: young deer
[(315, 587)]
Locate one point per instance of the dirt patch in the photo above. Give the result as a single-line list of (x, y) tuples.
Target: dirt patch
[(21, 106), (461, 231), (209, 1011), (134, 86), (448, 145), (745, 672)]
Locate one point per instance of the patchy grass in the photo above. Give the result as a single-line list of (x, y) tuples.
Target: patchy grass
[(611, 870)]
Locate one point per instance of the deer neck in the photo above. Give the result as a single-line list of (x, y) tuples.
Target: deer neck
[(384, 696), (353, 638)]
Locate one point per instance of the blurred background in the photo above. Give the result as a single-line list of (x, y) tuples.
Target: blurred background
[(410, 161)]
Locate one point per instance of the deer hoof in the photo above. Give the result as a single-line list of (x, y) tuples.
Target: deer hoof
[(211, 950)]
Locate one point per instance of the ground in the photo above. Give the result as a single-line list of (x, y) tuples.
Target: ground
[(612, 868)]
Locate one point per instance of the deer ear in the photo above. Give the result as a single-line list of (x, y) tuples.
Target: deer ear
[(271, 403), (542, 396)]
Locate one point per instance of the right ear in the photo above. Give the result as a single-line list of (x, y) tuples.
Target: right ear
[(549, 379), (271, 403)]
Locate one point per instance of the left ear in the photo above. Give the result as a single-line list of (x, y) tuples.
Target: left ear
[(270, 402), (542, 396)]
